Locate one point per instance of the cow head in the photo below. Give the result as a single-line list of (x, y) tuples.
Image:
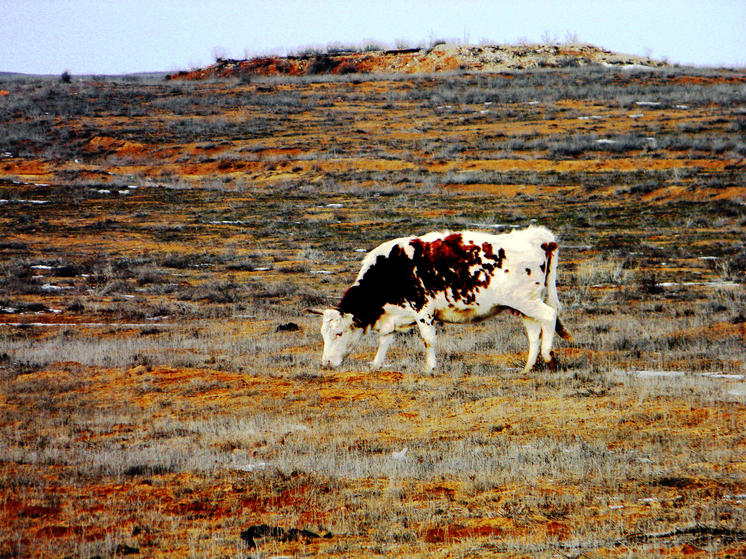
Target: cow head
[(340, 335)]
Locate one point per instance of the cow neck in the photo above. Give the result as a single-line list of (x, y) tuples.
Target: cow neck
[(390, 279)]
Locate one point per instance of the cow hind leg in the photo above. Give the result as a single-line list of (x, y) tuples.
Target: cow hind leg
[(539, 321), (547, 338)]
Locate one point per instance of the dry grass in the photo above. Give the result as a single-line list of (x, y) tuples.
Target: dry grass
[(154, 397)]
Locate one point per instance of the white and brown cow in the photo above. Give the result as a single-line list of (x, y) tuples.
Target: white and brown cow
[(449, 277)]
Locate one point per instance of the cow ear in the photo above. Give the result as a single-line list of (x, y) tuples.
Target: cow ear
[(315, 311)]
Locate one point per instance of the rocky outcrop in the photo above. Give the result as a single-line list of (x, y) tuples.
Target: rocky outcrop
[(440, 58)]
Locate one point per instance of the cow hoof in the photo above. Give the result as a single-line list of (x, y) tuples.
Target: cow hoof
[(552, 362)]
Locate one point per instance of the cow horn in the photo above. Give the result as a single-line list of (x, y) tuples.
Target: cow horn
[(315, 311)]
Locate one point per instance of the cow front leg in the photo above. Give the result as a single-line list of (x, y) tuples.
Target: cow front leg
[(533, 332), (427, 331), (384, 342), (547, 338)]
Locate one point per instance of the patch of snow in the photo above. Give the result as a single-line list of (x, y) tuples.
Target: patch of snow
[(493, 225), (629, 67), (322, 272), (8, 310), (41, 267), (53, 288), (727, 376), (19, 201), (262, 269), (123, 192), (636, 115), (605, 141), (361, 250), (401, 454), (682, 107), (652, 373), (616, 507), (250, 467), (103, 191), (714, 284), (648, 103), (649, 373), (335, 205)]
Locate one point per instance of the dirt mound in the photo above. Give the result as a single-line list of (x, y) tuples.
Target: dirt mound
[(440, 58)]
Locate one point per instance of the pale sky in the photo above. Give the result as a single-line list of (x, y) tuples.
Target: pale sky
[(126, 36)]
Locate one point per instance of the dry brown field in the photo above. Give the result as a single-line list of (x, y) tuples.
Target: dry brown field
[(160, 387)]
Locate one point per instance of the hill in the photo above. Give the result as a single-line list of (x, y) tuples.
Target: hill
[(439, 58)]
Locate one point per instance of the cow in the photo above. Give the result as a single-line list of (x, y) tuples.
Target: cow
[(454, 277)]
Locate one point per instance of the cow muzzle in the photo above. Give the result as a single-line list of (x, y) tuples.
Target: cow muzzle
[(327, 363)]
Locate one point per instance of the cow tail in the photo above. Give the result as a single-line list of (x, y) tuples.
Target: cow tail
[(552, 298)]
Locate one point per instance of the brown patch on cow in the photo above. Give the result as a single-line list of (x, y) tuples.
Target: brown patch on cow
[(489, 254), (548, 249), (528, 271), (441, 266), (444, 265)]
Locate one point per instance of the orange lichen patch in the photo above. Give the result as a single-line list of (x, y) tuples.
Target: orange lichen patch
[(718, 330), (507, 190), (376, 376), (26, 167), (342, 165), (280, 152), (708, 80), (459, 532), (108, 144)]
